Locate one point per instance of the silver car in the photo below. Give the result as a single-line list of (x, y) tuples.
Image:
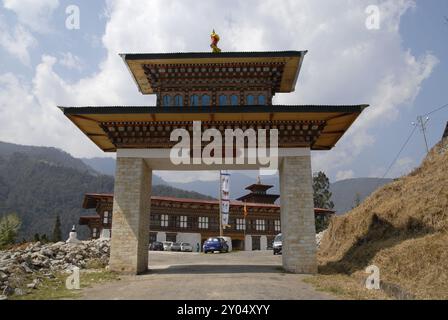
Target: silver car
[(186, 247), (277, 245), (167, 246)]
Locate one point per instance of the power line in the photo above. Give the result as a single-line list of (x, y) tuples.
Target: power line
[(401, 150), (420, 124), (434, 111)]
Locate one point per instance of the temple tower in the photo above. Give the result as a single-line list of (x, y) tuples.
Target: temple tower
[(258, 194)]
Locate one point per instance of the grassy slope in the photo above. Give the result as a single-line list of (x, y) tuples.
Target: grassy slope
[(402, 228)]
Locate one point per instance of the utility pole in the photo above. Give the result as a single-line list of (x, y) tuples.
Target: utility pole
[(421, 123)]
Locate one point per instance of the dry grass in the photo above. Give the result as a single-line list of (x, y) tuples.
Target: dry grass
[(345, 287), (402, 228)]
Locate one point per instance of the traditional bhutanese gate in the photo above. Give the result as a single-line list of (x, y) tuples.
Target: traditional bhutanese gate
[(226, 90)]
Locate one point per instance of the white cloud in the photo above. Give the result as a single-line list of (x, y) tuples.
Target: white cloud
[(344, 175), (17, 42), (346, 63), (33, 14), (71, 61)]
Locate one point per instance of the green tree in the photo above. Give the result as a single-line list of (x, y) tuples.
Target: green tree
[(322, 194), (57, 233), (36, 237), (322, 199), (356, 201), (9, 228), (44, 238), (322, 222)]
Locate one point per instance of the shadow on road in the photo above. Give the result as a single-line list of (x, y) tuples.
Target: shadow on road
[(217, 269)]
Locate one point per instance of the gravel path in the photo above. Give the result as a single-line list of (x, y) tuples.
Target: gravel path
[(192, 276)]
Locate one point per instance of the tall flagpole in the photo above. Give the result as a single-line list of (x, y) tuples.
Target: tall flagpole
[(220, 205)]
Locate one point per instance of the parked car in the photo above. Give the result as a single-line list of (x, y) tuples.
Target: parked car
[(167, 246), (215, 244), (186, 247), (176, 247), (156, 246), (277, 245), (228, 241)]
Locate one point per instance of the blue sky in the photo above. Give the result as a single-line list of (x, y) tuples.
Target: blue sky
[(401, 69)]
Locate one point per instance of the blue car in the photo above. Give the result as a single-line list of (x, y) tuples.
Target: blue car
[(215, 244)]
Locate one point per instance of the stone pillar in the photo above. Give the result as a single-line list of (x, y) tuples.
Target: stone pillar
[(297, 215), (131, 213)]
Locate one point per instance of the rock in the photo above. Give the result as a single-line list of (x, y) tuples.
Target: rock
[(36, 247), (47, 259), (3, 276), (2, 297), (34, 284), (6, 256), (26, 268), (18, 292), (47, 252), (319, 237), (8, 291)]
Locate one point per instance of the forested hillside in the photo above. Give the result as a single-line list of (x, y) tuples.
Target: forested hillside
[(40, 183)]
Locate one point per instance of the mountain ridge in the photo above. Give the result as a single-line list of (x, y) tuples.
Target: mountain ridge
[(39, 183), (344, 191)]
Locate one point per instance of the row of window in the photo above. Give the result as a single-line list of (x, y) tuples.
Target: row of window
[(203, 223), (205, 100)]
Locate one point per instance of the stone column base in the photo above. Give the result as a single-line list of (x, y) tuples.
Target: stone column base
[(131, 214), (297, 215)]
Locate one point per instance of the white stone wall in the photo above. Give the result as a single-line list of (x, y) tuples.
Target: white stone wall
[(248, 243), (263, 243), (161, 236)]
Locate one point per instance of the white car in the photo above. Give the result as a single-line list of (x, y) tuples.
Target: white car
[(186, 247), (167, 245)]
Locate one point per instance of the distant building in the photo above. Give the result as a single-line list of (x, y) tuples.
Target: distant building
[(193, 221)]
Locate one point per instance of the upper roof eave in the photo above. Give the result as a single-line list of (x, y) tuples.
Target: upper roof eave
[(198, 55)]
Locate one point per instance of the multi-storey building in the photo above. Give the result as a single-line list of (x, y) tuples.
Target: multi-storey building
[(193, 221)]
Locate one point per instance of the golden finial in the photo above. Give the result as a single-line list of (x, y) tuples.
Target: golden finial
[(214, 45)]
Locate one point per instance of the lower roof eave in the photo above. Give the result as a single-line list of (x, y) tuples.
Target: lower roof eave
[(85, 110)]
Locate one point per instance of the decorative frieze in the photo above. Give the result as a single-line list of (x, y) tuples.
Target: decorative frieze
[(150, 134)]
